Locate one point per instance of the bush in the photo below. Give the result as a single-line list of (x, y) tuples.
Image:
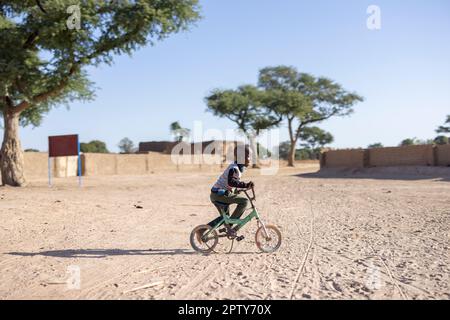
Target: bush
[(94, 146)]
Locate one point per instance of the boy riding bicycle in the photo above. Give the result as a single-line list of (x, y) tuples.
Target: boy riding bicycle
[(223, 192)]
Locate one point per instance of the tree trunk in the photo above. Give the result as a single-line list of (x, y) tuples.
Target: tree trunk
[(11, 160), (254, 148), (291, 157)]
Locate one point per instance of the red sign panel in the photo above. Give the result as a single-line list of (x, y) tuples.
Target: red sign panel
[(62, 146)]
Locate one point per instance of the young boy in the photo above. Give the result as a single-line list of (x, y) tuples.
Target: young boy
[(223, 190)]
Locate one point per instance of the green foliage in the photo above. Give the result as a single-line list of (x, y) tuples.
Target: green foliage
[(126, 146), (445, 128), (43, 61), (178, 131), (441, 140), (314, 137), (306, 153), (31, 150), (95, 146), (283, 150), (303, 99), (247, 106), (375, 145), (409, 142)]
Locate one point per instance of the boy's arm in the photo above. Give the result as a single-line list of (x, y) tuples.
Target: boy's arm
[(233, 180)]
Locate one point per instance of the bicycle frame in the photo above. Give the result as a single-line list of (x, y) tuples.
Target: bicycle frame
[(239, 222)]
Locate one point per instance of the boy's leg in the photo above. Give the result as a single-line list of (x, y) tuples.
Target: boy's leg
[(242, 203), (215, 197)]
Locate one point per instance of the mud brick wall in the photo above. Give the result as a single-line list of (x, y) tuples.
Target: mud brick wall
[(442, 155), (422, 155), (343, 159), (402, 156)]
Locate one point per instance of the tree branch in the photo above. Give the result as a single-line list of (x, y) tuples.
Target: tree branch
[(48, 94), (305, 123), (30, 40), (40, 6)]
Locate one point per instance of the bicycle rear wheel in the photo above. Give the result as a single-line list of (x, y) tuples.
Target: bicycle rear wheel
[(200, 244), (269, 242)]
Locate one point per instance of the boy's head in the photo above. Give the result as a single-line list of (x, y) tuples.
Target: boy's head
[(242, 154)]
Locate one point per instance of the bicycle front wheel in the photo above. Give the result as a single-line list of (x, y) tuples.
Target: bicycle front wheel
[(268, 242), (201, 244)]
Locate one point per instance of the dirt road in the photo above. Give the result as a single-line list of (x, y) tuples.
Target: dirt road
[(127, 238)]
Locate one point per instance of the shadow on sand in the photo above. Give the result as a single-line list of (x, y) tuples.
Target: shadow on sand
[(387, 173), (102, 253)]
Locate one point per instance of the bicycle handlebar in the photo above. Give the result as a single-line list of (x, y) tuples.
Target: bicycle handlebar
[(253, 198)]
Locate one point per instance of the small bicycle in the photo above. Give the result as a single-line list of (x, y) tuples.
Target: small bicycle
[(205, 238)]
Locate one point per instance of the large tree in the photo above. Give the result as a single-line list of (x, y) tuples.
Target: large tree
[(303, 99), (45, 47), (248, 108)]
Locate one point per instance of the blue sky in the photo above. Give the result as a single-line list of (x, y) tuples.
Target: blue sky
[(402, 70)]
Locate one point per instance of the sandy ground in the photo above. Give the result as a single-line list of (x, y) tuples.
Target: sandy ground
[(357, 236)]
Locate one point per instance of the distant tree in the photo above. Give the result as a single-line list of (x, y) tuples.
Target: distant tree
[(126, 146), (307, 154), (31, 150), (248, 108), (446, 127), (314, 138), (283, 150), (441, 140), (95, 146), (303, 99), (375, 145), (409, 142), (425, 142), (178, 131)]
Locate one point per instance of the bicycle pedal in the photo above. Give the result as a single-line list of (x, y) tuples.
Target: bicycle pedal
[(223, 230), (240, 238)]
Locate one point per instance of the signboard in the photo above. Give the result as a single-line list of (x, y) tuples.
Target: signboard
[(63, 146)]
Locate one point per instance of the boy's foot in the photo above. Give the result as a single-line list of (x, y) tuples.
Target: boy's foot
[(240, 238)]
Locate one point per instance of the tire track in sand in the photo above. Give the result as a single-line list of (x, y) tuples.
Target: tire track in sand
[(305, 256)]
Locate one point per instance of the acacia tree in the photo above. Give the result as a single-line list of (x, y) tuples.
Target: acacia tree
[(303, 99), (248, 107), (43, 54)]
